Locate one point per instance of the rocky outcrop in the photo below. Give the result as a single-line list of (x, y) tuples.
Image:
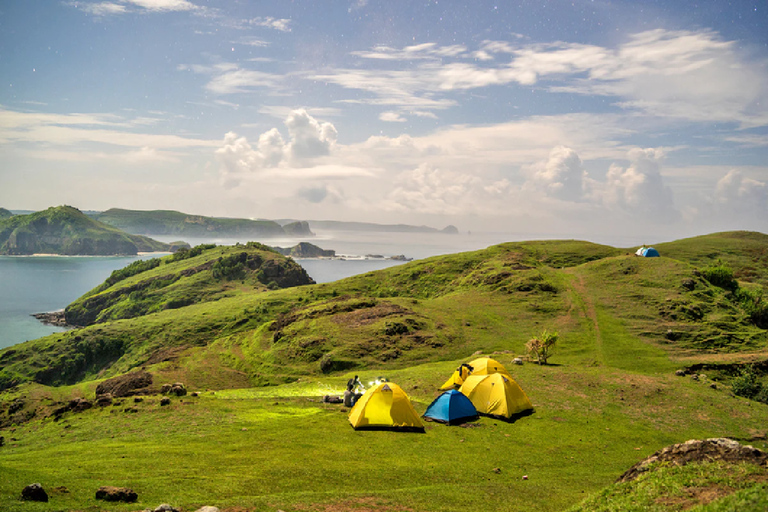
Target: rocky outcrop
[(129, 384), (305, 250), (719, 448), (52, 318), (300, 228), (176, 389), (109, 493)]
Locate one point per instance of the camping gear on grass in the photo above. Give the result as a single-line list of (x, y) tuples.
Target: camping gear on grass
[(496, 395), (385, 406), (451, 407), (457, 379)]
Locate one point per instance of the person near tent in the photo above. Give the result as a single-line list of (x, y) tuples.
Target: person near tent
[(351, 394)]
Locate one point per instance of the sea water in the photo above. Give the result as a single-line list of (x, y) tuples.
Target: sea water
[(38, 284)]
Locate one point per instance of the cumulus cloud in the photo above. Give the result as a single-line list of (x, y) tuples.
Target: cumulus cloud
[(431, 190), (561, 176), (639, 189), (309, 139), (736, 194)]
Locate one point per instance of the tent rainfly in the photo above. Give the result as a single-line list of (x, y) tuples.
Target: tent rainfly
[(496, 395), (385, 406), (452, 408)]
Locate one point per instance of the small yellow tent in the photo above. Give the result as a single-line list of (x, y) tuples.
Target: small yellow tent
[(385, 406), (487, 366), (496, 395), (457, 379)]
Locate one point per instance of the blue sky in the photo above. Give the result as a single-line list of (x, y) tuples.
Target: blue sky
[(549, 118)]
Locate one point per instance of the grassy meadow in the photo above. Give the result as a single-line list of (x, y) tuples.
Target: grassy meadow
[(259, 438)]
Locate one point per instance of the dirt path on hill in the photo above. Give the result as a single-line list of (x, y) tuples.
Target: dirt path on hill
[(588, 309)]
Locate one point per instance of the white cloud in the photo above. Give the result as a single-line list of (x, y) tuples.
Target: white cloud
[(102, 8), (75, 129), (309, 140), (240, 81), (392, 117), (561, 176), (679, 75), (164, 5), (281, 24), (639, 190), (736, 194)]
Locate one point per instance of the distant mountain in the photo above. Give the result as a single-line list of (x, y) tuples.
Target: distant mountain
[(4, 214), (169, 222), (67, 231)]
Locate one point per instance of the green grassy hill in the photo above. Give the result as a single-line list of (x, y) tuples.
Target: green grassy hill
[(259, 438), (204, 273), (168, 222), (67, 231)]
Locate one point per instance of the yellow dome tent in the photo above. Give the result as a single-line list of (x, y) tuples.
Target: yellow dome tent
[(385, 406), (487, 366), (496, 395), (457, 379)]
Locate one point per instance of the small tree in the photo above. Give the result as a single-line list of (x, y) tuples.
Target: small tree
[(542, 346)]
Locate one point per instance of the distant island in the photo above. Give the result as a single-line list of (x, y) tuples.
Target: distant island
[(304, 250), (333, 225), (169, 222), (65, 230)]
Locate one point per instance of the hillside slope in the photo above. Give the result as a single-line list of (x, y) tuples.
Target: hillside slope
[(604, 303), (67, 231), (169, 222)]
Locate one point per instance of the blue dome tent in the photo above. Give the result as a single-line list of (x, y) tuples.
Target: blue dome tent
[(650, 252), (451, 407)]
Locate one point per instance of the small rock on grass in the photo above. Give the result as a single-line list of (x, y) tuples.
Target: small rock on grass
[(34, 492), (208, 508), (165, 507), (109, 493)]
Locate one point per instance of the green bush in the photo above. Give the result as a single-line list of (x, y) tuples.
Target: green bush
[(747, 384), (720, 275), (754, 306)]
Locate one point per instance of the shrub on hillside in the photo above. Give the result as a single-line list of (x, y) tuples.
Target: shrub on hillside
[(720, 275), (541, 347), (183, 253), (754, 306), (748, 385)]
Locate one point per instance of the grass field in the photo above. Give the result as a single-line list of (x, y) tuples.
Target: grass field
[(609, 398)]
